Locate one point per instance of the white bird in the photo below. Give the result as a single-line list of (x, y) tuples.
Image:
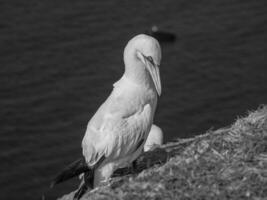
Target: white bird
[(116, 134), (154, 139)]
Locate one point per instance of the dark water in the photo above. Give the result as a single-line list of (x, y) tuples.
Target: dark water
[(59, 59)]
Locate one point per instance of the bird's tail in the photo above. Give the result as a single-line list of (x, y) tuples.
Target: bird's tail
[(74, 169)]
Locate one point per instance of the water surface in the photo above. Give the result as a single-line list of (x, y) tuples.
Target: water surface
[(59, 60)]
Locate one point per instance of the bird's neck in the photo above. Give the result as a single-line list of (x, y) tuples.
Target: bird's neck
[(134, 92), (137, 74)]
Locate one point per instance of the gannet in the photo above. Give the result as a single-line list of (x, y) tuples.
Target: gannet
[(116, 134), (154, 139)]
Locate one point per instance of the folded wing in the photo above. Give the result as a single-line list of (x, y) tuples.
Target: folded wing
[(114, 132)]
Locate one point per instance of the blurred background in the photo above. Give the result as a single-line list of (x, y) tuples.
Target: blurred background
[(59, 59)]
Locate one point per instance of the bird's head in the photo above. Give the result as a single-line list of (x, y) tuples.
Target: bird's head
[(142, 56)]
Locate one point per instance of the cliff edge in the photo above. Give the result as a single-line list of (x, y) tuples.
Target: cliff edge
[(228, 163)]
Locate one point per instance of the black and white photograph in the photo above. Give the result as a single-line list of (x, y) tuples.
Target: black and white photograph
[(133, 100)]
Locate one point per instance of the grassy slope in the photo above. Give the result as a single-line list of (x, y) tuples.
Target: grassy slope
[(230, 163)]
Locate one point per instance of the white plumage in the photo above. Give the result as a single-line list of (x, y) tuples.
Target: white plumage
[(118, 130), (154, 139)]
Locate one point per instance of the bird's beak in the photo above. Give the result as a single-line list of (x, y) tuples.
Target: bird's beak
[(153, 70)]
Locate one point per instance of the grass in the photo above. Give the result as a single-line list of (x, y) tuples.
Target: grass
[(229, 163)]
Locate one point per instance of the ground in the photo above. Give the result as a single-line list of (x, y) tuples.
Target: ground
[(229, 163)]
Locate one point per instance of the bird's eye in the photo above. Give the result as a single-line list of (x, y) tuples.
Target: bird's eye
[(150, 59)]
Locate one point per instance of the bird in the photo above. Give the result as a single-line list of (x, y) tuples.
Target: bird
[(154, 139), (116, 134)]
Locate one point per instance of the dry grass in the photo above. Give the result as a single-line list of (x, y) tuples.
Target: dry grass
[(230, 163)]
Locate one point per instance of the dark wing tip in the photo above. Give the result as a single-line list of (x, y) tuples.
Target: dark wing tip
[(74, 169)]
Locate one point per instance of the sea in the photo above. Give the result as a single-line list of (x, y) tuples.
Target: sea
[(59, 60)]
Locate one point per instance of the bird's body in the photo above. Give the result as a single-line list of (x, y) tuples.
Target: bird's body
[(119, 125), (116, 134)]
